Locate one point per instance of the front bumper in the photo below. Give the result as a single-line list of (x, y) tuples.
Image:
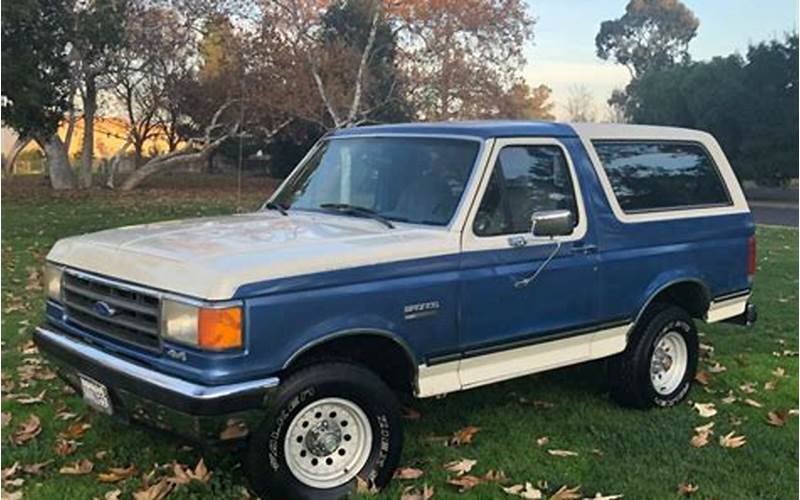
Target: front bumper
[(153, 398)]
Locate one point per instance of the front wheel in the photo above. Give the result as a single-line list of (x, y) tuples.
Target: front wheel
[(659, 364), (329, 425)]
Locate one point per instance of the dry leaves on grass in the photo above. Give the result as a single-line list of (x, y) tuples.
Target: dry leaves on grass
[(716, 368), (7, 418), (753, 403), (115, 474), (687, 489), (79, 468), (27, 430), (460, 467), (408, 473), (748, 388), (366, 486), (702, 435), (600, 496), (731, 440), (113, 495), (465, 482), (414, 493), (76, 430), (706, 410), (183, 474), (157, 491), (64, 447), (542, 440), (25, 399), (729, 399), (567, 493), (563, 453), (462, 436), (37, 468), (778, 418), (702, 377), (779, 372), (525, 491)]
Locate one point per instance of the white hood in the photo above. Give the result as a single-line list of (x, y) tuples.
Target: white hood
[(210, 258)]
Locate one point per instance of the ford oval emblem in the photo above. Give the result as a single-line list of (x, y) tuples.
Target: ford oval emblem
[(103, 309)]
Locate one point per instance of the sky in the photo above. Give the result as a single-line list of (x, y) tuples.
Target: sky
[(562, 54)]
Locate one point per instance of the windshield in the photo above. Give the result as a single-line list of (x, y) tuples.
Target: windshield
[(405, 179)]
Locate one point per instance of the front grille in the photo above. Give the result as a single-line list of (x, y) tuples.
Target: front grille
[(135, 316)]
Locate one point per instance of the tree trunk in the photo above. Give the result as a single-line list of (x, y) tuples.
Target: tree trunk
[(19, 145), (89, 108), (61, 174)]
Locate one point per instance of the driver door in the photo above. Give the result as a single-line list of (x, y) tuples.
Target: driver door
[(501, 320)]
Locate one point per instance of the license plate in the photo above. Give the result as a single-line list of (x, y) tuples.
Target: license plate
[(95, 395)]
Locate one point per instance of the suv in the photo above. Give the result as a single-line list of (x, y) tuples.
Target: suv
[(417, 259)]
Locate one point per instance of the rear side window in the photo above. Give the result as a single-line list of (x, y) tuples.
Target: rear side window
[(650, 176)]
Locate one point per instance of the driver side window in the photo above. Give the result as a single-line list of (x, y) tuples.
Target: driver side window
[(525, 179)]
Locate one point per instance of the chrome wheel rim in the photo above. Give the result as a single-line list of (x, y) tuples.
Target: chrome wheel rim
[(669, 362), (328, 442)]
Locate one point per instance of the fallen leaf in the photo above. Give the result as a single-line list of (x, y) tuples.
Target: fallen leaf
[(716, 368), (115, 474), (730, 440), (414, 493), (76, 430), (730, 398), (525, 491), (600, 496), (234, 429), (101, 454), (706, 410), (753, 403), (24, 399), (112, 495), (702, 377), (778, 418), (460, 467), (542, 440), (10, 472), (27, 430), (770, 386), (706, 350), (366, 487), (495, 476), (464, 483), (748, 388), (184, 475), (64, 447), (702, 436), (704, 428), (567, 493), (7, 418), (36, 469), (157, 491), (779, 372), (687, 489), (463, 436), (81, 467), (408, 473), (563, 453), (11, 495)]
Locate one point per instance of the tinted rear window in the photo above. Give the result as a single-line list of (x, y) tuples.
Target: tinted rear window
[(648, 176)]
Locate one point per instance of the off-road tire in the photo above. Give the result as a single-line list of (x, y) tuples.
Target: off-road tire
[(629, 372), (266, 466)]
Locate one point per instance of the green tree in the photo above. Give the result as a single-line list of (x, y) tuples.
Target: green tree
[(651, 35), (36, 87)]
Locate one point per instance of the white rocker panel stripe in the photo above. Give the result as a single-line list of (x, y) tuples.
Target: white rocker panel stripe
[(481, 370), (729, 308)]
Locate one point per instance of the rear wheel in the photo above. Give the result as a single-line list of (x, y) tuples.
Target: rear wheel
[(329, 425), (659, 364)]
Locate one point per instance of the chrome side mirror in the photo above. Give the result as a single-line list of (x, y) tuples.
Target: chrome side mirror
[(552, 223)]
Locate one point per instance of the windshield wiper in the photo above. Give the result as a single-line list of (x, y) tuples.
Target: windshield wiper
[(275, 206), (348, 209)]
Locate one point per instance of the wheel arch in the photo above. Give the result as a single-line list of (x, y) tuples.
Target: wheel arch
[(690, 293), (384, 352)]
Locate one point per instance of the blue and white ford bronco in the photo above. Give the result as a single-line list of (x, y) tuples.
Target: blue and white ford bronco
[(417, 259)]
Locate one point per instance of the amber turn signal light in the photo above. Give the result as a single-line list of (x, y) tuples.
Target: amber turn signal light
[(219, 329)]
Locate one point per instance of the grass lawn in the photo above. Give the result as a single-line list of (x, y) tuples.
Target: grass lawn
[(639, 454)]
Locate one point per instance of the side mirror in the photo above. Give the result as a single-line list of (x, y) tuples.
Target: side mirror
[(552, 223)]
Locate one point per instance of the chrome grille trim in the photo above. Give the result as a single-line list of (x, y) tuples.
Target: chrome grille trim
[(138, 311)]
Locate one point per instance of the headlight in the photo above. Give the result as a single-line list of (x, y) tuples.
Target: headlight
[(207, 328), (52, 281)]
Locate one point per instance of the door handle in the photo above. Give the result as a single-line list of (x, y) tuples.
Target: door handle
[(584, 249)]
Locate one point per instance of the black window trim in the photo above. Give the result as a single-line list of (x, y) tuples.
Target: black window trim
[(675, 208)]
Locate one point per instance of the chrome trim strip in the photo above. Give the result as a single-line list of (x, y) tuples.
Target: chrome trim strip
[(146, 375)]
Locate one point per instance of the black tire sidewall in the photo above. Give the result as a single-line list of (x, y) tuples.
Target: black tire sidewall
[(675, 320), (266, 461)]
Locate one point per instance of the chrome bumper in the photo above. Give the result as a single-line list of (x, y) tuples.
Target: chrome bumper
[(152, 397)]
